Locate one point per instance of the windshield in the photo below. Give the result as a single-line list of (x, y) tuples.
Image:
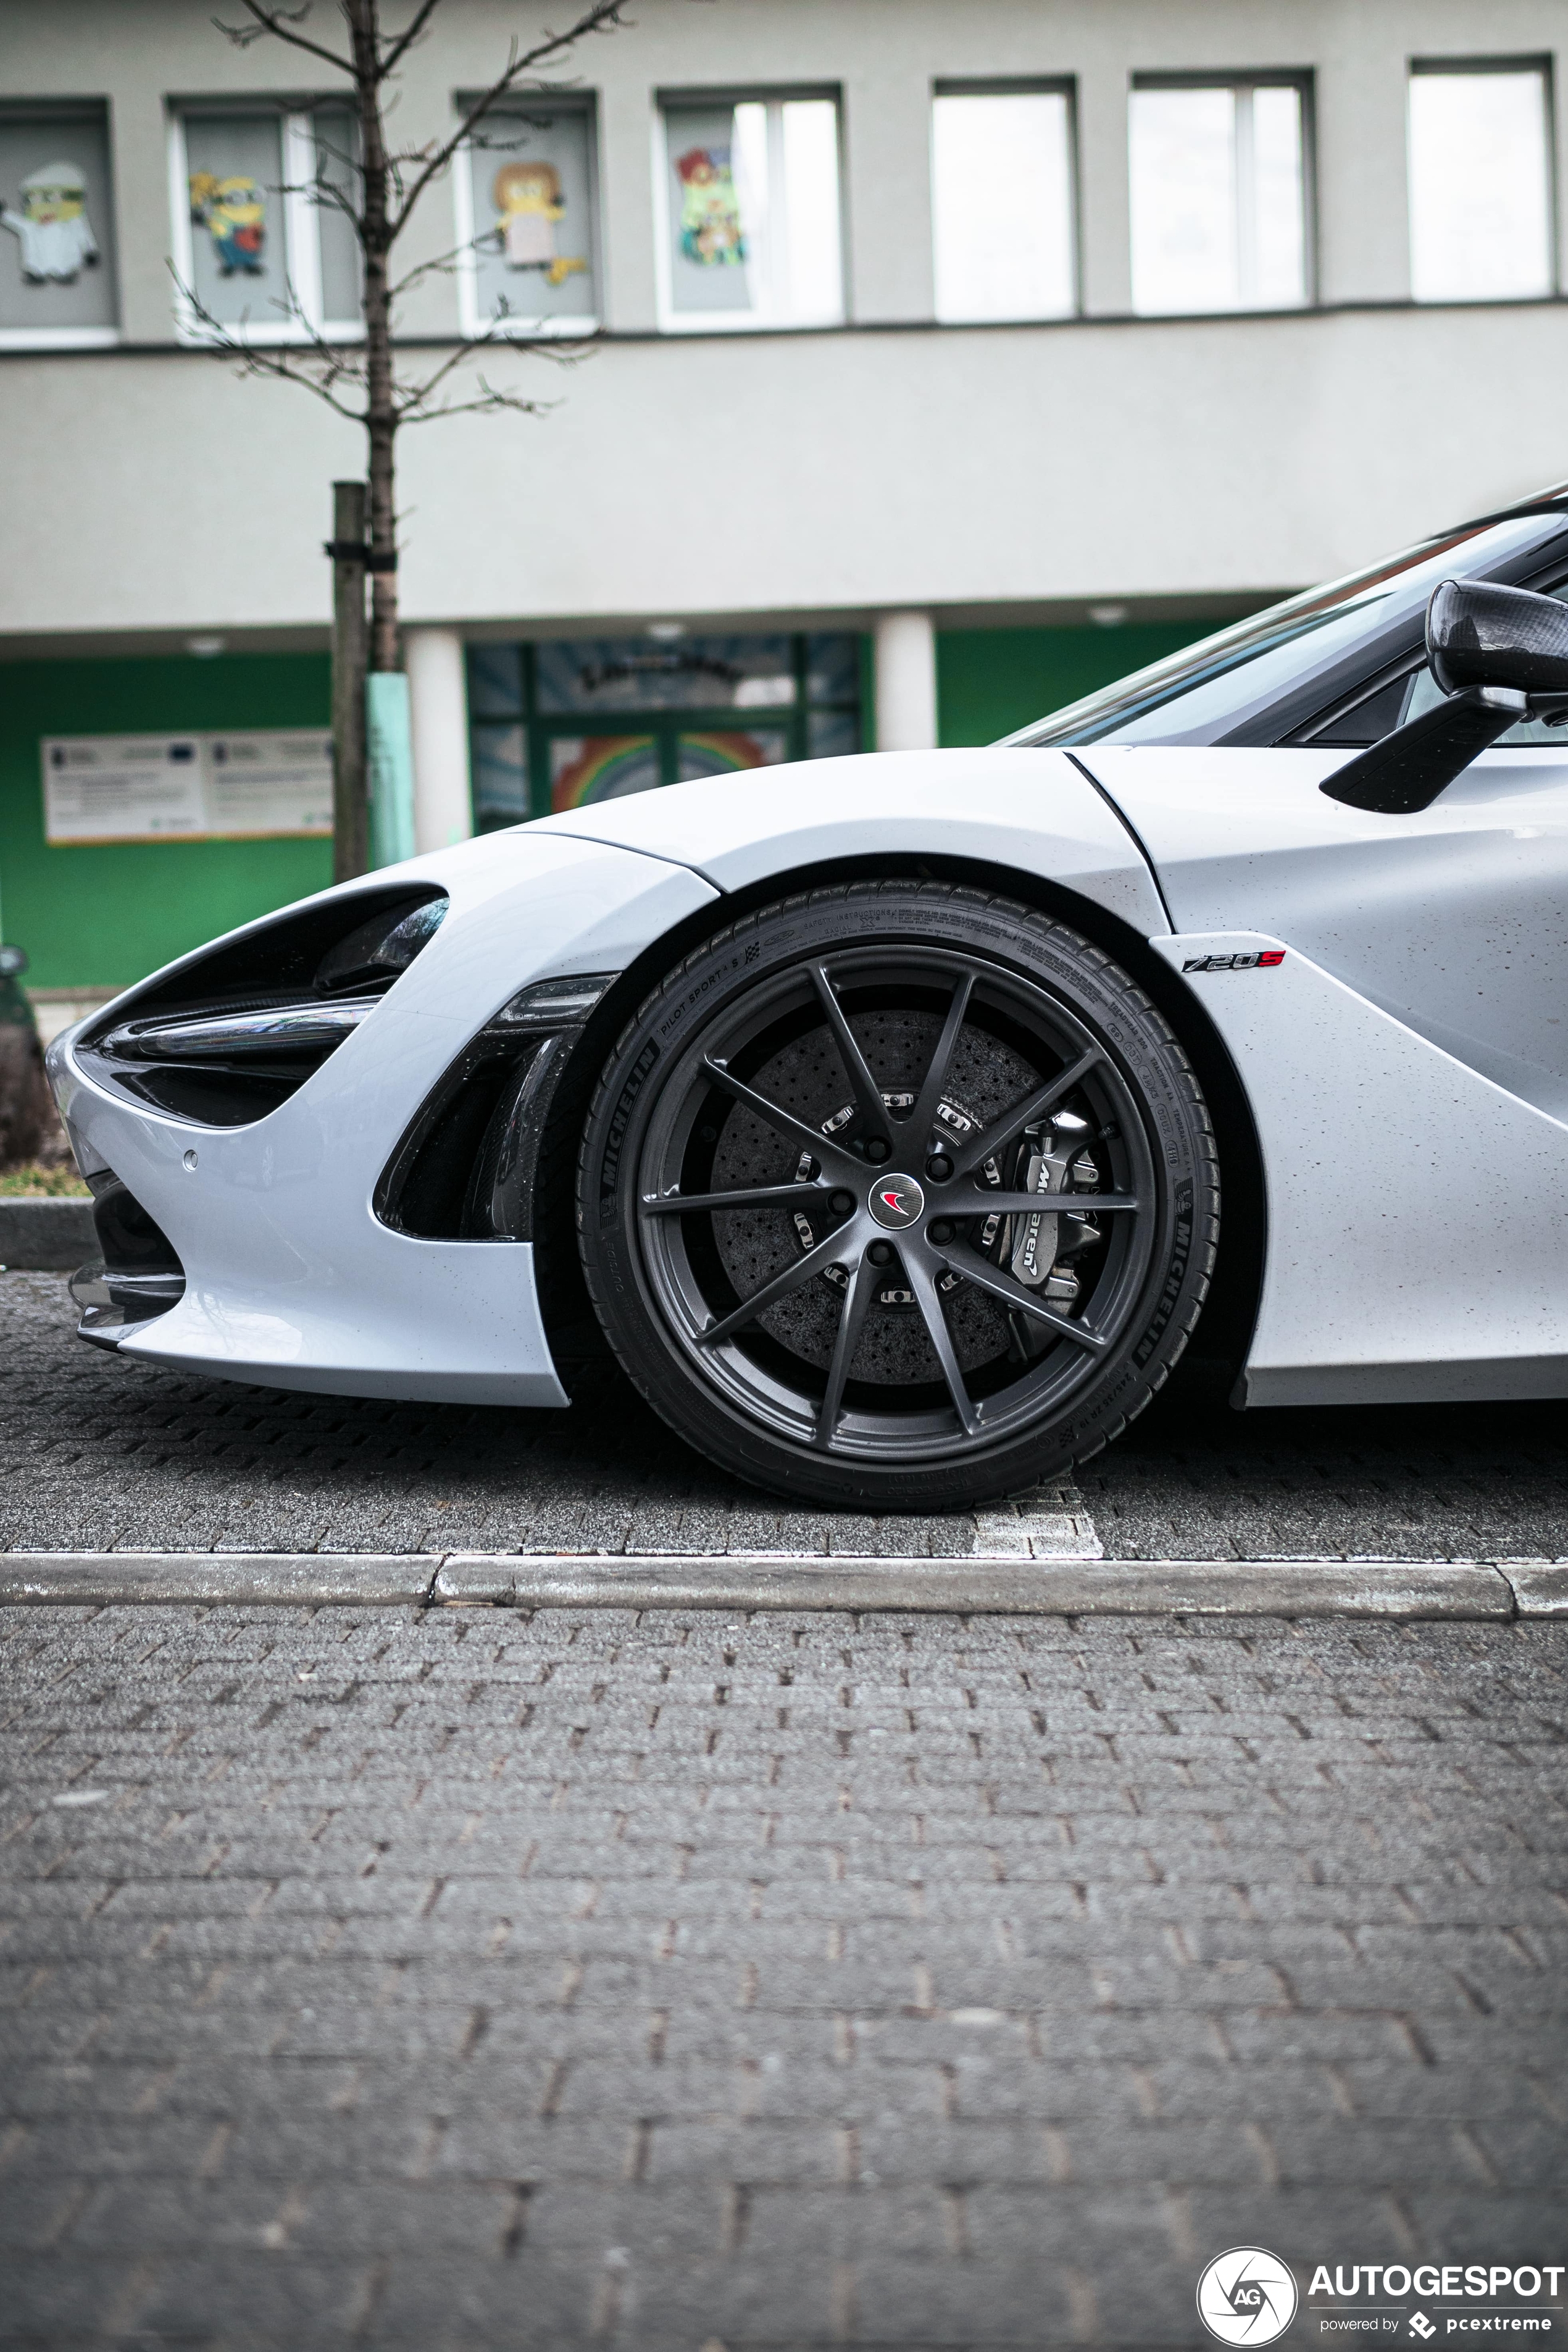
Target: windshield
[(1206, 691)]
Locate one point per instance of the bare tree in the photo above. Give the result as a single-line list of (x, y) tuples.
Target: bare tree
[(378, 189)]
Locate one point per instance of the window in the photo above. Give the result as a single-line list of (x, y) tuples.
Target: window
[(57, 259), (558, 724), (749, 195), (527, 224), (1003, 204), (262, 243), (1480, 182), (1219, 196), (1258, 681)]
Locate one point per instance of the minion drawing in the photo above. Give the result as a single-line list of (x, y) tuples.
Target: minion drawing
[(528, 203), (52, 227), (233, 214)]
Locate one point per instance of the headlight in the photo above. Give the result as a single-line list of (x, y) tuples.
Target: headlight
[(222, 1041)]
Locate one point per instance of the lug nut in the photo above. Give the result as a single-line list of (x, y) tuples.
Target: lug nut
[(941, 1232), (939, 1167), (840, 1203), (876, 1148), (881, 1252)]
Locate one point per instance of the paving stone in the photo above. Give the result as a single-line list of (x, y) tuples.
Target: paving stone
[(885, 2042)]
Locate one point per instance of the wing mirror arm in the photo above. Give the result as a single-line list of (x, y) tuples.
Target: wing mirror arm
[(1406, 771), (1498, 655)]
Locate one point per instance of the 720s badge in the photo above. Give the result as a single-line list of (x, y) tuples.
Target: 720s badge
[(1260, 960)]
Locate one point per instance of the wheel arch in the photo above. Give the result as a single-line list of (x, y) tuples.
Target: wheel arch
[(1218, 1348)]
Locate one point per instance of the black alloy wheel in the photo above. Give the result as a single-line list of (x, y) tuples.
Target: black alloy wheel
[(898, 1197)]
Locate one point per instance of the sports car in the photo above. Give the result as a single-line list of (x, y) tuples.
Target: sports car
[(898, 1121)]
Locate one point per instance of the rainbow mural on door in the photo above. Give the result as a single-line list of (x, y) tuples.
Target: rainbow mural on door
[(586, 768), (719, 754)]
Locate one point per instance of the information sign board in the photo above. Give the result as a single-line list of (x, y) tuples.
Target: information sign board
[(249, 785)]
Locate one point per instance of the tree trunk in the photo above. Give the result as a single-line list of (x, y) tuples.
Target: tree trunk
[(350, 819), (380, 410)]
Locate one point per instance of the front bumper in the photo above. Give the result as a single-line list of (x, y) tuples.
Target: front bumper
[(291, 1280)]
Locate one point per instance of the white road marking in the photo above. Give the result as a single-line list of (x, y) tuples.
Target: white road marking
[(1053, 1525)]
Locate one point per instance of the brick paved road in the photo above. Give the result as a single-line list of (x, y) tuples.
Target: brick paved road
[(97, 1451), (384, 1979)]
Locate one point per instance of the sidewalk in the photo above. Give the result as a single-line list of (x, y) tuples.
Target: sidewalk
[(484, 1979)]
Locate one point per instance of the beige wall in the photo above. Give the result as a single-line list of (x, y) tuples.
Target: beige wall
[(888, 463)]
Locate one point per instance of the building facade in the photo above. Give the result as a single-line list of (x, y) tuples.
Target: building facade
[(918, 367)]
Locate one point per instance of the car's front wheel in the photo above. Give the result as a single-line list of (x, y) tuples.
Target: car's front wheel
[(898, 1197)]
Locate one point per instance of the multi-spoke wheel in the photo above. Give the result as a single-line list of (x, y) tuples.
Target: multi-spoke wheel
[(898, 1196)]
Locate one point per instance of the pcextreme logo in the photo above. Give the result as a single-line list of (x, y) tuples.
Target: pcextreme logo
[(1247, 2296)]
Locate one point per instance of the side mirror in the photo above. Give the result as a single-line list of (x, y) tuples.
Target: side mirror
[(1479, 635), (1498, 655), (13, 961)]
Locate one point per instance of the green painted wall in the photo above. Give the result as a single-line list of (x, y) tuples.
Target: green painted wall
[(100, 917), (990, 681)]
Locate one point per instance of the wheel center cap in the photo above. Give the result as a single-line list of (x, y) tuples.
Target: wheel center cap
[(896, 1201)]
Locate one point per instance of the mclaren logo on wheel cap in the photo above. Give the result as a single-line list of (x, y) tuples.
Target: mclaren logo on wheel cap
[(896, 1200)]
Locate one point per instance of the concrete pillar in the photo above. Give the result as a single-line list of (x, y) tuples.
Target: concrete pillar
[(443, 805), (905, 682)]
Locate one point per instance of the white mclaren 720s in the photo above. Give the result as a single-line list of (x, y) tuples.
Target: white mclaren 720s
[(898, 1121)]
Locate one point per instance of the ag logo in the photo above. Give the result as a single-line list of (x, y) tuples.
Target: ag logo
[(1247, 2297)]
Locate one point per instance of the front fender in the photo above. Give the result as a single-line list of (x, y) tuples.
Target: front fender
[(1033, 811)]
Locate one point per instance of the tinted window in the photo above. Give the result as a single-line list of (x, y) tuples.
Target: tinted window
[(1214, 689)]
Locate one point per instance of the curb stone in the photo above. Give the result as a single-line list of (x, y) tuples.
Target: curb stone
[(47, 1236), (1540, 1586), (1002, 1584), (99, 1579)]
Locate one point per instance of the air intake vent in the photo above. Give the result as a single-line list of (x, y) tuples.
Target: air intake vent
[(224, 1041), (138, 1275), (464, 1170)]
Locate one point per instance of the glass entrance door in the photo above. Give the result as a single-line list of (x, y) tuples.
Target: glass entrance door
[(561, 724)]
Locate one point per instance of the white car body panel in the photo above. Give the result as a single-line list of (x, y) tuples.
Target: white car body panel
[(1407, 1065), (1407, 1255), (290, 1277), (1031, 812), (1454, 919)]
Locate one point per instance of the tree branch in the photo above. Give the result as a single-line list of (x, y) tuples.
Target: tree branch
[(277, 21), (407, 37), (283, 361), (601, 16), (488, 402)]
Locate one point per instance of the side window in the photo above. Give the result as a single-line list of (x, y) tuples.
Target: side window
[(527, 222), (1397, 700), (260, 246), (57, 284), (748, 190)]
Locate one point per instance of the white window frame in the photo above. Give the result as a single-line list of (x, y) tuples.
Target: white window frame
[(473, 323), (729, 323), (1423, 68), (1061, 86), (301, 232), (71, 339), (1301, 81)]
